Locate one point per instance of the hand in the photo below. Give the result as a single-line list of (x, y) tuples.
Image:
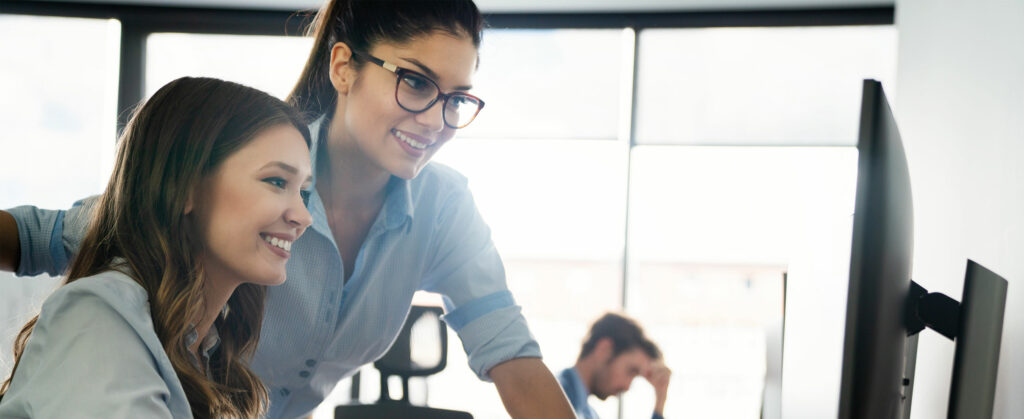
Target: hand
[(659, 375), (10, 249)]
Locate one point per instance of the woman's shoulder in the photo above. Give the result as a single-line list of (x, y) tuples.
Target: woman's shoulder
[(106, 307), (106, 293), (96, 329)]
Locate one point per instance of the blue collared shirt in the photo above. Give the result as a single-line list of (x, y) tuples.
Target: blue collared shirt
[(95, 354), (318, 328), (578, 393)]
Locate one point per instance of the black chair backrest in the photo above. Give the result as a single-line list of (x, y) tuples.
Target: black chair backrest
[(404, 361), (399, 360)]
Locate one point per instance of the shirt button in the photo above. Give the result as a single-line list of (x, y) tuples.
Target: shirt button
[(304, 374), (285, 392), (310, 362)]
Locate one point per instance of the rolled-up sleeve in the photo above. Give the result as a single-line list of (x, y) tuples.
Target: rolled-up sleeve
[(49, 238), (467, 270)]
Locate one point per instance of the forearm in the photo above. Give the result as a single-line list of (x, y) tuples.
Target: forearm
[(529, 390), (659, 376), (659, 407), (10, 249)]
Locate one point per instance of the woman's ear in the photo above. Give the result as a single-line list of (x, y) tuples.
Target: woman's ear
[(341, 71)]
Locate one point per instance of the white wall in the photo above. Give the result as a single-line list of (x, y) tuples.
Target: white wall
[(960, 108)]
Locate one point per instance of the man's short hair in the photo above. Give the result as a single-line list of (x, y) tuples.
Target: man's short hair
[(625, 334)]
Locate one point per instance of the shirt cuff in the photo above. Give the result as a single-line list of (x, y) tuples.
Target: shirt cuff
[(40, 237), (466, 313), (494, 337)]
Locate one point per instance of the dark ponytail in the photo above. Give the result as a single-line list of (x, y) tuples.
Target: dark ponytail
[(361, 24)]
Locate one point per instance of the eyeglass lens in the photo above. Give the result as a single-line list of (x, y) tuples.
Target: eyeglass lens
[(416, 93)]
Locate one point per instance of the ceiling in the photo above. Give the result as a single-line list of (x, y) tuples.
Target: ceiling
[(521, 6)]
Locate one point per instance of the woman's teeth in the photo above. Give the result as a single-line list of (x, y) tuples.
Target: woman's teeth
[(283, 244), (415, 144)]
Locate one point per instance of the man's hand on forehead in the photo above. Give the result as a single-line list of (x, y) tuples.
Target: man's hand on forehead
[(658, 374)]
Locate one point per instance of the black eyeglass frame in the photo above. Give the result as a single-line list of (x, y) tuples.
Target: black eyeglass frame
[(401, 72)]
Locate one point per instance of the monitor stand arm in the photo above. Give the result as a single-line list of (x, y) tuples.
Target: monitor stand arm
[(934, 310)]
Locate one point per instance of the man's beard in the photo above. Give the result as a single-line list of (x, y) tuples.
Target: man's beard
[(596, 380)]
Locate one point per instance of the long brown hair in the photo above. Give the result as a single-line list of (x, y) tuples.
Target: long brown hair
[(361, 24), (139, 227)]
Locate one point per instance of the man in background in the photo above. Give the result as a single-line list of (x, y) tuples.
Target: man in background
[(614, 353)]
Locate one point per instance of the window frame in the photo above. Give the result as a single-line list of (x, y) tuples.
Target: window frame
[(137, 22)]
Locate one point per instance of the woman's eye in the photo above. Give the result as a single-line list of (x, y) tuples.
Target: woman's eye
[(415, 82), (305, 197), (460, 100), (277, 182)]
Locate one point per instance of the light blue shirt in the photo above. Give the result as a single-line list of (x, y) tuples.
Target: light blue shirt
[(94, 354), (319, 329), (578, 393)]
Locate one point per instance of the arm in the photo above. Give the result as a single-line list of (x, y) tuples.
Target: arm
[(468, 271), (528, 390), (35, 241), (659, 375), (10, 251)]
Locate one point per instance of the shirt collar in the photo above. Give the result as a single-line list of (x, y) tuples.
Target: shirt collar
[(579, 391), (398, 206), (209, 344)]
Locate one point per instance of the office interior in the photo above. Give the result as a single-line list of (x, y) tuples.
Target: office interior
[(691, 163)]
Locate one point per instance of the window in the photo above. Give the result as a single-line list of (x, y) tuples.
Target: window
[(758, 86), (743, 159), (268, 63), (713, 230), (58, 110), (547, 167)]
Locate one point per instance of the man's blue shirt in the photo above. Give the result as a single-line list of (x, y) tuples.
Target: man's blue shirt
[(578, 393)]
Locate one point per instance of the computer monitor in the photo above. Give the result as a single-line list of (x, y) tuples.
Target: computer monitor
[(980, 333), (876, 339), (886, 310)]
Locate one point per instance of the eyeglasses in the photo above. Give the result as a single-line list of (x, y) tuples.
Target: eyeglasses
[(416, 93)]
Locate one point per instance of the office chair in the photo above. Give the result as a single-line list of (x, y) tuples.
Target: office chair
[(398, 361)]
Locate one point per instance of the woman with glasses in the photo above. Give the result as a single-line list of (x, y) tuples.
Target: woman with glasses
[(386, 85)]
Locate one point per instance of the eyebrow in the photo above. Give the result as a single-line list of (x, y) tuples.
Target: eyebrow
[(431, 73), (286, 167)]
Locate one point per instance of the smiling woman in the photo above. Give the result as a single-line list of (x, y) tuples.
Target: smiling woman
[(255, 182), (157, 280)]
